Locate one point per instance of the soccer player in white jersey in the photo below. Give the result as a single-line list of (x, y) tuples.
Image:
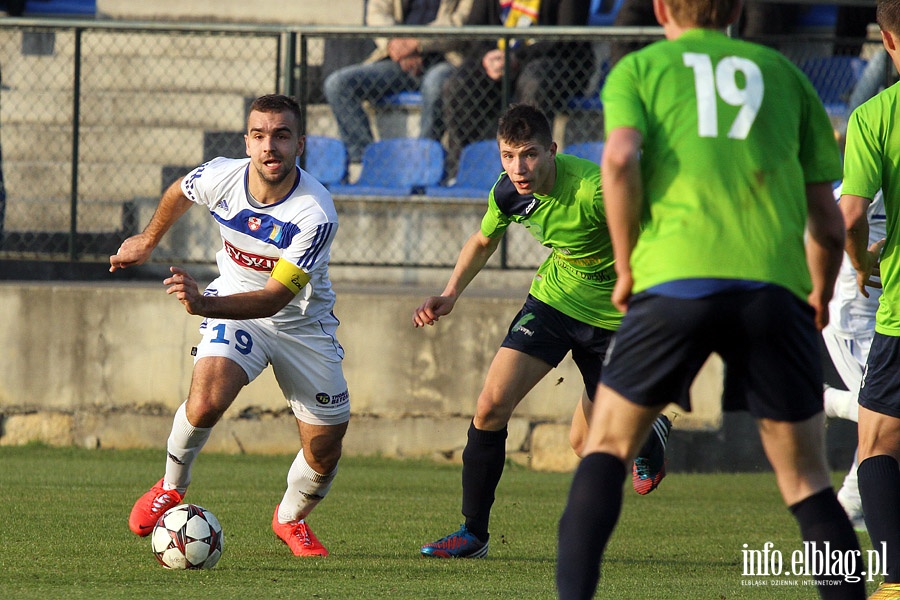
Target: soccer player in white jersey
[(848, 337), (271, 304)]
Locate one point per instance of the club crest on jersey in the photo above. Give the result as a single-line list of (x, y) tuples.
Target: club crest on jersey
[(254, 223)]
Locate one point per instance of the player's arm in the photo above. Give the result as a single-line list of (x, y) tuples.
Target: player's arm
[(623, 193), (863, 257), (137, 249), (286, 281), (475, 253), (824, 246)]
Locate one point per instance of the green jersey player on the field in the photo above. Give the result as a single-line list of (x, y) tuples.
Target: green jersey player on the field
[(873, 144), (558, 198), (719, 157)]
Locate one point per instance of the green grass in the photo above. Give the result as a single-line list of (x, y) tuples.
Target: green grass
[(64, 533)]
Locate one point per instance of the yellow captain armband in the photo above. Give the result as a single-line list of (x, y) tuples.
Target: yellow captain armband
[(290, 275)]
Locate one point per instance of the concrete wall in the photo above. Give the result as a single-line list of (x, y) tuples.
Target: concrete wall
[(295, 12), (106, 365)]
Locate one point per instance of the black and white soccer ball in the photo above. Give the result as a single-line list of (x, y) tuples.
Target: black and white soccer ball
[(187, 536)]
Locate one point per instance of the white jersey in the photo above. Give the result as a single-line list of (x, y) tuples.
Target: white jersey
[(299, 228), (851, 314)]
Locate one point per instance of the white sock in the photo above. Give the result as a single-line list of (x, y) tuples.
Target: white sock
[(841, 404), (183, 446), (306, 488)]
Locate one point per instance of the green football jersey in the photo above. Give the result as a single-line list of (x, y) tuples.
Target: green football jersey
[(732, 133), (577, 278), (872, 162)]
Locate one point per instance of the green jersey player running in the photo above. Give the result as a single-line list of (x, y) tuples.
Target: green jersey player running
[(558, 198), (719, 157)]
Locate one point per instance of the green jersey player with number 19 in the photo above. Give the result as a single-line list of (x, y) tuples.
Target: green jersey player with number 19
[(719, 155), (271, 304)]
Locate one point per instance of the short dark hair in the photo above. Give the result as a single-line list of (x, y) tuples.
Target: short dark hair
[(887, 14), (522, 123), (276, 103), (711, 14)]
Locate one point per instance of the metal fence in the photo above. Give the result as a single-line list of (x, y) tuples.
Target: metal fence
[(97, 117)]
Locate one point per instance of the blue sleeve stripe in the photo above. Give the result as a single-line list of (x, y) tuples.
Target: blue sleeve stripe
[(320, 241)]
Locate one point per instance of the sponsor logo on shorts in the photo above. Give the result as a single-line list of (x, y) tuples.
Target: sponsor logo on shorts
[(520, 325), (324, 399)]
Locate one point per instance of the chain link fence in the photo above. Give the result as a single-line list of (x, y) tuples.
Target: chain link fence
[(97, 118)]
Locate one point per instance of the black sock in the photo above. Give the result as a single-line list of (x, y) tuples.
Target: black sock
[(483, 460), (822, 520), (879, 487), (591, 514)]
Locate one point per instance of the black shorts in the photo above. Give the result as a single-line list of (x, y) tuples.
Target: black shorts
[(880, 388), (541, 331), (766, 338)]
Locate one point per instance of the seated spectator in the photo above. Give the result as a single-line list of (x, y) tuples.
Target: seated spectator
[(397, 65), (543, 73)]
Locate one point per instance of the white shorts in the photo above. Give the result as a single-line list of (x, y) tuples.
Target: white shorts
[(848, 354), (306, 361)]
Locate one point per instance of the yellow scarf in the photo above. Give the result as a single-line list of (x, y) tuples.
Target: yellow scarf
[(518, 13)]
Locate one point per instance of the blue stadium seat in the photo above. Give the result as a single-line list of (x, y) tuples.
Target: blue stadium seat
[(603, 12), (479, 168), (326, 159), (591, 100), (834, 78), (402, 99), (589, 150), (397, 167)]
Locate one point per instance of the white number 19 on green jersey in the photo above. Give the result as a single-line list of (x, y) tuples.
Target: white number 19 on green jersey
[(723, 84)]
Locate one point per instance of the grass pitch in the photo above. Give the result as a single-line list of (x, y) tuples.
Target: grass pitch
[(64, 533)]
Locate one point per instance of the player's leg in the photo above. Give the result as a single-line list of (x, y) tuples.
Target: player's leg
[(641, 375), (796, 451), (581, 418), (618, 430), (589, 352), (220, 371), (775, 372), (215, 384), (879, 449), (308, 368), (214, 387), (537, 340), (879, 484)]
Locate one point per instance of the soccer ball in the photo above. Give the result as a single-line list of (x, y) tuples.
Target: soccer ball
[(187, 537)]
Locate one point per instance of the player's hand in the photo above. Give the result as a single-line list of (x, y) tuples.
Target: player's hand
[(186, 290), (133, 251), (622, 291), (432, 309), (870, 274)]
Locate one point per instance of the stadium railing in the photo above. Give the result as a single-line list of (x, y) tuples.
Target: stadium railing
[(98, 116)]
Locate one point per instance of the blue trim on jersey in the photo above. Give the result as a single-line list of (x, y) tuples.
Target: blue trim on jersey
[(320, 241), (270, 230), (251, 200), (701, 287), (510, 202)]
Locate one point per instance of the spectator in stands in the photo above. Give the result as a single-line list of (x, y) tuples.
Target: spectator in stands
[(397, 65), (542, 73)]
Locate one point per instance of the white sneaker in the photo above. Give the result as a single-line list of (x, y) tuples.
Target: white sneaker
[(852, 504)]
